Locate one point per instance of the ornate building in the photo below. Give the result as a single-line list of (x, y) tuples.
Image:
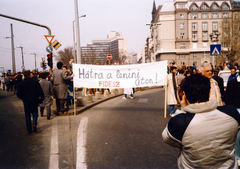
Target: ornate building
[(180, 30)]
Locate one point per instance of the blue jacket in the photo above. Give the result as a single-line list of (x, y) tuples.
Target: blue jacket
[(232, 76)]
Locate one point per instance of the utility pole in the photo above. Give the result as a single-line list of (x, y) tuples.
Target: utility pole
[(13, 53), (77, 32)]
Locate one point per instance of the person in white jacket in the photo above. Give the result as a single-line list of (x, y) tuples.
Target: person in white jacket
[(204, 131), (172, 89)]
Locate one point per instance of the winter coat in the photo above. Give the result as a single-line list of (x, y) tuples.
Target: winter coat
[(232, 76), (215, 92), (171, 99), (30, 91), (233, 93), (48, 91), (205, 134), (59, 85), (128, 91)]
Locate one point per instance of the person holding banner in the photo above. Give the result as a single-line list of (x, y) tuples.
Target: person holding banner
[(60, 87), (172, 89)]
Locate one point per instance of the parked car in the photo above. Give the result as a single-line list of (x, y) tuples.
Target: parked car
[(225, 75)]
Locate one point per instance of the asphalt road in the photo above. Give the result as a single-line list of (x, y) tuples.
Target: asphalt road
[(114, 134)]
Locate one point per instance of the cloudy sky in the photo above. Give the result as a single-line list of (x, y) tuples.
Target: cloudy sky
[(126, 16)]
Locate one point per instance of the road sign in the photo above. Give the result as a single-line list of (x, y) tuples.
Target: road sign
[(49, 38), (109, 56), (23, 67), (70, 93), (215, 50), (49, 49), (56, 44)]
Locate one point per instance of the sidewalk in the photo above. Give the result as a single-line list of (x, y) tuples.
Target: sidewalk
[(87, 105)]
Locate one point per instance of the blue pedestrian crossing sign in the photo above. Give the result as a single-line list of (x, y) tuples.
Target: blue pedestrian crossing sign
[(70, 93), (215, 50)]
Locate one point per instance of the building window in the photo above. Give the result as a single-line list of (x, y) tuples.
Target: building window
[(194, 26), (194, 7), (214, 15), (194, 16), (183, 6), (182, 46), (181, 16), (194, 55), (215, 7), (181, 56), (205, 7), (194, 35), (204, 15), (215, 26), (181, 25), (205, 36), (225, 7), (179, 6), (204, 26), (225, 15), (181, 35), (194, 45)]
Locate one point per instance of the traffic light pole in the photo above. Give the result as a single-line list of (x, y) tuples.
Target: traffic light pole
[(28, 22)]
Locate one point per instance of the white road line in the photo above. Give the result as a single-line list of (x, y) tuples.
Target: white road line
[(81, 143), (54, 162)]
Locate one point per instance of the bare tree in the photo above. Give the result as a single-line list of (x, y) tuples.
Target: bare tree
[(65, 56), (123, 56), (230, 33)]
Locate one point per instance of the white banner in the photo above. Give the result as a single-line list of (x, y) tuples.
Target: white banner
[(124, 76)]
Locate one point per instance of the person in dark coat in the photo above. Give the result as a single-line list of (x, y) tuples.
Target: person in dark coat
[(48, 92), (31, 93), (220, 84), (60, 87)]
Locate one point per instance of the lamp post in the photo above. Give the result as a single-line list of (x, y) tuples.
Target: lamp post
[(22, 56), (154, 26), (74, 53), (35, 60)]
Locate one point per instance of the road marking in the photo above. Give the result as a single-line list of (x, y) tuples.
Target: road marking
[(54, 162), (81, 143), (143, 100)]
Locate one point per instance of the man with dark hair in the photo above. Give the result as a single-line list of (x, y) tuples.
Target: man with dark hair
[(47, 90), (172, 89), (31, 93), (233, 75), (60, 87), (204, 131)]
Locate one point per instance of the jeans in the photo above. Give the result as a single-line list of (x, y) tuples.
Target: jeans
[(31, 108), (130, 95), (171, 107)]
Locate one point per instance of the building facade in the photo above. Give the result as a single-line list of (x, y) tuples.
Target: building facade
[(96, 53), (181, 28)]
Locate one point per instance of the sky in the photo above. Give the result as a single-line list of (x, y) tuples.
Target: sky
[(102, 16)]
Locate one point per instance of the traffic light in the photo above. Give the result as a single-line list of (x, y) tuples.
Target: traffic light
[(49, 59)]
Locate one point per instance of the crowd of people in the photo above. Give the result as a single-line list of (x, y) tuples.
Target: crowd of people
[(205, 117), (38, 89)]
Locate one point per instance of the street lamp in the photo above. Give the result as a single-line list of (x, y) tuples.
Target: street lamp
[(75, 59), (35, 60), (154, 26), (22, 56)]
